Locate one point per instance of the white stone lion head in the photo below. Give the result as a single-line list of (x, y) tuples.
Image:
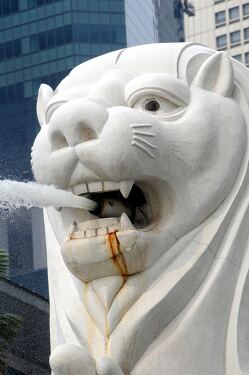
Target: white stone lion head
[(129, 123), (156, 134)]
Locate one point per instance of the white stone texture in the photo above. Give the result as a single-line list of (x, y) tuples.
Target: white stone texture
[(158, 291)]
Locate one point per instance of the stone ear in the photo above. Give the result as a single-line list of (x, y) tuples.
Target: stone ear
[(45, 93), (216, 74)]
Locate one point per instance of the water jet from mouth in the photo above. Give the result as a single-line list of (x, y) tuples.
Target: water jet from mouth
[(15, 194)]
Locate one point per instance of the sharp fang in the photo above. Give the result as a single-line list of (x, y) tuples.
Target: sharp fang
[(125, 188), (125, 222)]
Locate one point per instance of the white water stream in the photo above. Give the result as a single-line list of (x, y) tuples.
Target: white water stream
[(14, 194)]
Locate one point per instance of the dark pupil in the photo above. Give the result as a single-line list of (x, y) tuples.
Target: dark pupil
[(152, 106)]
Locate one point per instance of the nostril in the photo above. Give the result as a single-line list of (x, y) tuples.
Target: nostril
[(58, 141), (86, 134)]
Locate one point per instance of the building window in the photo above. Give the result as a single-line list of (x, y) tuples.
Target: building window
[(246, 34), (68, 34), (220, 18), (10, 49), (1, 52), (117, 34), (238, 57), (247, 58), (235, 38), (107, 34), (17, 48), (59, 37), (38, 3), (8, 7), (234, 14), (246, 10), (94, 33), (12, 93), (221, 41), (51, 38)]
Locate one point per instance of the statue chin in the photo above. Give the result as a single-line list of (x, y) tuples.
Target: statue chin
[(157, 136)]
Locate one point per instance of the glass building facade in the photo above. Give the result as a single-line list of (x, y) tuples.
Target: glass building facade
[(40, 42), (150, 21)]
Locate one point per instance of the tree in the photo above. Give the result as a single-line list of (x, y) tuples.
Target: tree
[(9, 323)]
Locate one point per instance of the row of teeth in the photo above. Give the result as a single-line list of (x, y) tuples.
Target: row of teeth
[(97, 227), (94, 232), (103, 186)]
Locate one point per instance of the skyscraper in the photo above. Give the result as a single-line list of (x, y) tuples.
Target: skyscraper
[(222, 25), (40, 42)]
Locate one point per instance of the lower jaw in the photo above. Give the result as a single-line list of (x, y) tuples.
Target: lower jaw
[(89, 252)]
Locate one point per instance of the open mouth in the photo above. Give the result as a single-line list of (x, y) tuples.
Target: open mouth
[(120, 206)]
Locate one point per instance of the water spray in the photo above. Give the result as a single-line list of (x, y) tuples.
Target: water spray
[(14, 194)]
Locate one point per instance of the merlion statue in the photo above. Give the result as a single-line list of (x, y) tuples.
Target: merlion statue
[(154, 280)]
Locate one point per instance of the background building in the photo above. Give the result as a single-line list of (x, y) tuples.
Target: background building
[(28, 353), (222, 25), (40, 42)]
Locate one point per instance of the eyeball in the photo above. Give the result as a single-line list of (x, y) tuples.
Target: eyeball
[(152, 105), (155, 105)]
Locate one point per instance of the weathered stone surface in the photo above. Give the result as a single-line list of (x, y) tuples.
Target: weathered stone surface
[(152, 282)]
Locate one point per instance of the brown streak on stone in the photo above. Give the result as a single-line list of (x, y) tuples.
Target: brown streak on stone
[(117, 256)]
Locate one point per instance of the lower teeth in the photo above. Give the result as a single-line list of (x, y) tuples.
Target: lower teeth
[(93, 232), (99, 223), (100, 227)]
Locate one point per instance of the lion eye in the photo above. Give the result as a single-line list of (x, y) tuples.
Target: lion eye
[(156, 105), (152, 105)]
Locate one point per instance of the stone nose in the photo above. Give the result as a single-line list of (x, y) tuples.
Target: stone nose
[(75, 122)]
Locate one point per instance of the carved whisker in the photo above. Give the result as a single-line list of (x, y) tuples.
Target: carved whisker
[(140, 126), (148, 152), (146, 134), (145, 142)]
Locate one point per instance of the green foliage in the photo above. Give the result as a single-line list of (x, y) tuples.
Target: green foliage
[(9, 326), (9, 323), (4, 264)]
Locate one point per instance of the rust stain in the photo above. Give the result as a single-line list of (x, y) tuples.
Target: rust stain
[(119, 262), (107, 338), (117, 256), (90, 327)]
